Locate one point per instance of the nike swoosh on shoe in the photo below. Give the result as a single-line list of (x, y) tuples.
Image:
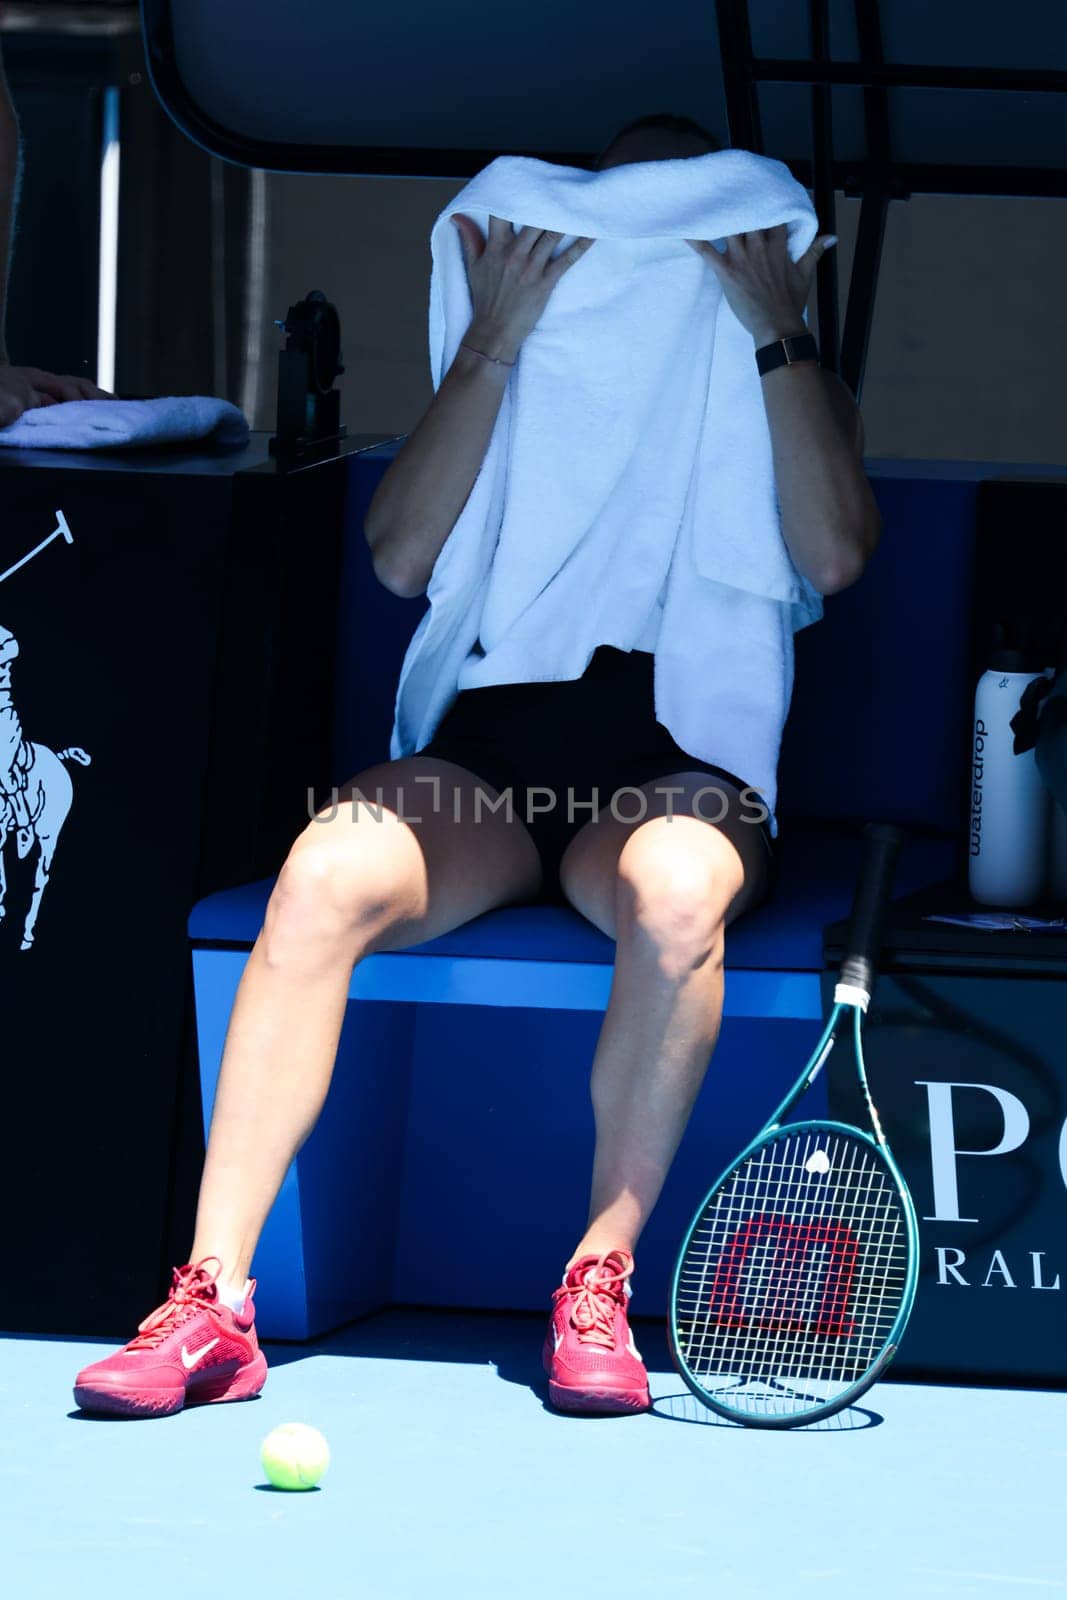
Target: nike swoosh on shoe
[(189, 1362)]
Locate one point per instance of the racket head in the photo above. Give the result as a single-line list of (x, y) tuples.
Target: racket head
[(796, 1278)]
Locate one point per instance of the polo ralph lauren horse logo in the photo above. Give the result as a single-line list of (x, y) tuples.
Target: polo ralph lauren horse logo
[(36, 792)]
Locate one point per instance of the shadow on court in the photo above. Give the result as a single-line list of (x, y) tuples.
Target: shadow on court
[(508, 1341), (685, 1407)]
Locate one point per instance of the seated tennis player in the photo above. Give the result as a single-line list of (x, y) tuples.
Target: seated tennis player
[(663, 883)]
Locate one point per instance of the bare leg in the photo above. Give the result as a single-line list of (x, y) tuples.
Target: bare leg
[(361, 880), (664, 888)]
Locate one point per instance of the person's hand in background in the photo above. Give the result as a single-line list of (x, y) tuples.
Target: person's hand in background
[(17, 395), (26, 388)]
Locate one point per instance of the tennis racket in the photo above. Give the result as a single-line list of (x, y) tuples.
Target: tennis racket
[(797, 1276)]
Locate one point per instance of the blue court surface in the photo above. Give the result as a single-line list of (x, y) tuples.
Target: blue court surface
[(451, 1475)]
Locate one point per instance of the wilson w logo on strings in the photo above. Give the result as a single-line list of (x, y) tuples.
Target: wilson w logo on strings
[(778, 1275)]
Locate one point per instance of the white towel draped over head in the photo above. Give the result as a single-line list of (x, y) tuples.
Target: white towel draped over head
[(632, 439)]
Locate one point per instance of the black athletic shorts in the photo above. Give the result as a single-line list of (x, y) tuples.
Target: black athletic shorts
[(597, 732)]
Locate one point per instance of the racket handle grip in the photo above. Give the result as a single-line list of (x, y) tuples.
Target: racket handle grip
[(881, 846)]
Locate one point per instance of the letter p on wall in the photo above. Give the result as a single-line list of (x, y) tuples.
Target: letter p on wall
[(944, 1149)]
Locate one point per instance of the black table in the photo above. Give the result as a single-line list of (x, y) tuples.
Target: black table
[(168, 654)]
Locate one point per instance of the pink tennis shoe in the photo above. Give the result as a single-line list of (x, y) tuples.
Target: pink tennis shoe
[(590, 1355), (192, 1350)]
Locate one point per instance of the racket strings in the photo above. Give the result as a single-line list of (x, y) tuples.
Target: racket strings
[(794, 1275)]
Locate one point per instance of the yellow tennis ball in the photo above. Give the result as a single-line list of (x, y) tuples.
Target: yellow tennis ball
[(294, 1456)]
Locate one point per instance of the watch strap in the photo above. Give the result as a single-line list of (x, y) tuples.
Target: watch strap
[(783, 352)]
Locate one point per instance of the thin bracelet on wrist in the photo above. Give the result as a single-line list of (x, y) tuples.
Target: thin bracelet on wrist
[(495, 359)]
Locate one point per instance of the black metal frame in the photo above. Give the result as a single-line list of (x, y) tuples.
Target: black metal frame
[(878, 178), (285, 156)]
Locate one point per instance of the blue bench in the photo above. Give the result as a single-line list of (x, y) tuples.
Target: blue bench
[(450, 1165)]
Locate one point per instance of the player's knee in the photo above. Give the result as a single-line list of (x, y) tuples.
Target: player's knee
[(674, 886), (330, 894)]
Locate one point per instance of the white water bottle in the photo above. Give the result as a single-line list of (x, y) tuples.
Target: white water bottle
[(1011, 810)]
